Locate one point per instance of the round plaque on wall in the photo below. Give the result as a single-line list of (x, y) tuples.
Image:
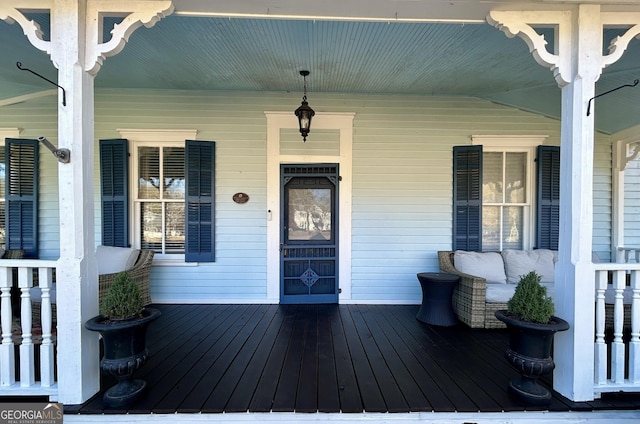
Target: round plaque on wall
[(241, 198)]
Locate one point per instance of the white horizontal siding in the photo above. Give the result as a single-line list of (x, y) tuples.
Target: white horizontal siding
[(402, 179)]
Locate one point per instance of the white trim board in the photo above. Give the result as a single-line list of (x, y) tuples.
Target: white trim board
[(326, 121)]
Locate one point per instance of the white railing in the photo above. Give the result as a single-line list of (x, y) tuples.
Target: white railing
[(17, 338), (617, 338)]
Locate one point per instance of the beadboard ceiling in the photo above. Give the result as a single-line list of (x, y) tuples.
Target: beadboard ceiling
[(415, 58)]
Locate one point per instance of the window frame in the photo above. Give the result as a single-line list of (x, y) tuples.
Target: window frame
[(517, 144), (151, 138)]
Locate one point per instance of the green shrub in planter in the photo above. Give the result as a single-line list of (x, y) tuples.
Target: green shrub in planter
[(530, 301), (123, 300)]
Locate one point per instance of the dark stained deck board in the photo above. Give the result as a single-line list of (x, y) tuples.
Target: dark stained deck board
[(219, 358), (234, 391), (372, 398), (175, 377), (350, 397), (265, 390), (433, 395), (192, 366), (412, 397), (328, 386), (325, 358), (465, 370), (286, 391)]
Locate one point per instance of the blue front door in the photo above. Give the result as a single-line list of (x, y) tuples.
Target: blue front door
[(309, 236)]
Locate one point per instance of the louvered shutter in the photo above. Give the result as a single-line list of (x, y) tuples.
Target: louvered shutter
[(21, 191), (114, 183), (467, 198), (200, 201), (548, 181)]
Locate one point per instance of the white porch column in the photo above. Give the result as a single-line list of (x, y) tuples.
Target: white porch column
[(76, 274), (575, 289), (577, 63), (77, 51)]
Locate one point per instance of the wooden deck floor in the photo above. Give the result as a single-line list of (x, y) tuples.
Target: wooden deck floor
[(324, 358)]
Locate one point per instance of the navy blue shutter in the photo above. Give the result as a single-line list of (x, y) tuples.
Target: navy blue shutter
[(21, 191), (200, 201), (548, 182), (467, 198), (114, 183)]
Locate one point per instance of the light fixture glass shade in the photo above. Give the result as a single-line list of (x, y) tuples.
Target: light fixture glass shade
[(304, 114)]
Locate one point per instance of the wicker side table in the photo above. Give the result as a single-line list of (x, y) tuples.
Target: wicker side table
[(437, 289)]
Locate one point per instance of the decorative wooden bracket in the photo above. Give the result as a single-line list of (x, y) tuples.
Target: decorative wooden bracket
[(522, 23), (146, 13), (137, 13)]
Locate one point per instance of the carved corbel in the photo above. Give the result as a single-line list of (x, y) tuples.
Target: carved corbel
[(139, 13), (619, 44), (30, 28), (518, 23)]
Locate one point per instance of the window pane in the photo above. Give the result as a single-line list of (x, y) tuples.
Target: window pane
[(2, 225), (515, 178), (492, 177), (309, 214), (174, 233), (512, 227), (173, 172), (151, 226), (148, 173), (491, 227)]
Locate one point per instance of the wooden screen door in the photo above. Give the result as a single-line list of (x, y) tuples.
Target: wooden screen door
[(309, 236)]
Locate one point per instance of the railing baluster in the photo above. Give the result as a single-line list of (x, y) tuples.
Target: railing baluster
[(27, 369), (634, 343), (46, 348), (600, 346), (7, 352), (617, 347)]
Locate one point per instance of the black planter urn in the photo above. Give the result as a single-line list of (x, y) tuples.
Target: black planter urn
[(529, 352), (125, 351)]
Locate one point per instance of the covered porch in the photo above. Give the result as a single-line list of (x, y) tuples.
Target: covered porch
[(350, 359), (592, 363)]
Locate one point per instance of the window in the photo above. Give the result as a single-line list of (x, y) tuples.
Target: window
[(171, 207), (159, 198), (494, 194), (505, 200)]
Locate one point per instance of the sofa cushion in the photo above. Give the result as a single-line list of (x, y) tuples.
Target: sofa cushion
[(521, 262), (115, 259), (487, 265)]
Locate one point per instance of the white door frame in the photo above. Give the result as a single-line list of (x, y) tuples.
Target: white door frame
[(325, 121)]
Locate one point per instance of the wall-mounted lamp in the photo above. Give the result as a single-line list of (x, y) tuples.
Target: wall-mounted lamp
[(63, 155), (304, 112)]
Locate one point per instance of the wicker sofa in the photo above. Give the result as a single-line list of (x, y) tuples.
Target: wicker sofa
[(472, 307), (140, 274)]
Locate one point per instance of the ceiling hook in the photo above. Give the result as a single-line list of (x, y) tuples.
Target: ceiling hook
[(64, 93)]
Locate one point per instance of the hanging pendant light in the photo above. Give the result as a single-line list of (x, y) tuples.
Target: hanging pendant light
[(304, 112)]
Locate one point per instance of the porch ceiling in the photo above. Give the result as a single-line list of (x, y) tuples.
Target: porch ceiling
[(450, 59)]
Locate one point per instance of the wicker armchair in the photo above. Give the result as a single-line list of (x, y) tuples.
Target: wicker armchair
[(140, 274)]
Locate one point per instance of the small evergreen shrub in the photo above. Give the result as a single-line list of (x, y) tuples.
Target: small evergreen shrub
[(123, 300), (530, 301)]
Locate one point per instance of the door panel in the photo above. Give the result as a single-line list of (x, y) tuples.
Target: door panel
[(308, 253)]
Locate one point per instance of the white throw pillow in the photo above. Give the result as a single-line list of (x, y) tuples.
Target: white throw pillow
[(115, 259), (521, 262), (487, 265)]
